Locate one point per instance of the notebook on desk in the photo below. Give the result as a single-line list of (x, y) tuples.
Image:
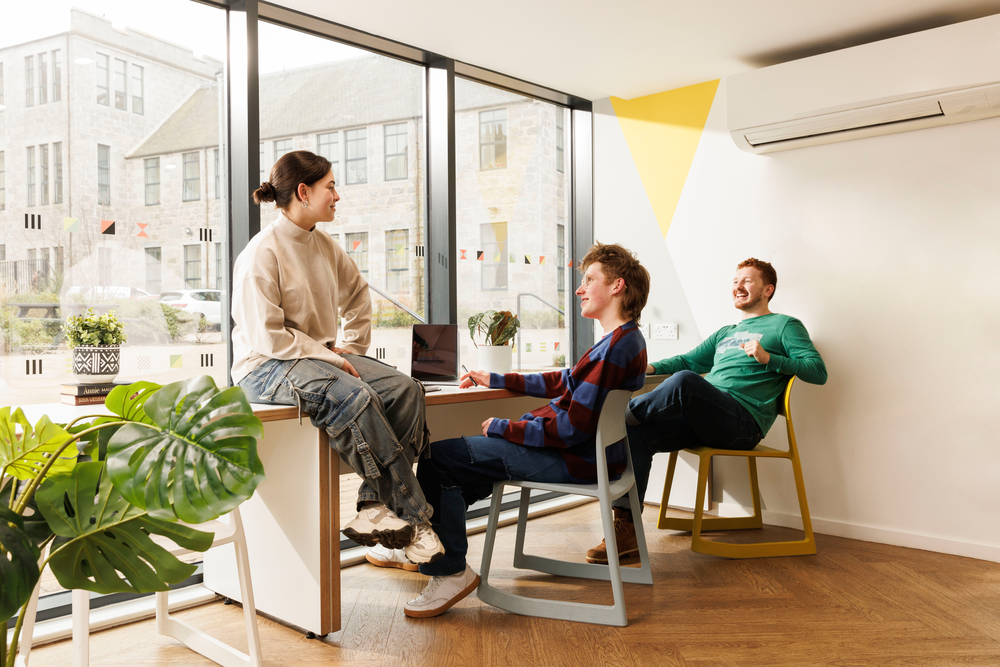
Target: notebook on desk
[(434, 353)]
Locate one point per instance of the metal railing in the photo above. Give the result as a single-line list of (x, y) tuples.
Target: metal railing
[(550, 305)]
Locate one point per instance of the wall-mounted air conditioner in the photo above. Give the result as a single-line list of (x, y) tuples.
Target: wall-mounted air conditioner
[(936, 77)]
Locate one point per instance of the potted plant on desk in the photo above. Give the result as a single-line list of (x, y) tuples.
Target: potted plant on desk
[(95, 341), (95, 490), (499, 329)]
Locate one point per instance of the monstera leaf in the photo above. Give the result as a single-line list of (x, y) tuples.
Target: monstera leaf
[(18, 564), (23, 455), (104, 544), (196, 460)]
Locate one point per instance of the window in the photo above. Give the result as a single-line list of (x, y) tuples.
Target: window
[(493, 139), (3, 181), (152, 171), (560, 112), (104, 265), (493, 239), (357, 249), (218, 177), (56, 75), (395, 152), (31, 175), (43, 163), (192, 177), (138, 86), (397, 261), (120, 80), (103, 175), (29, 81), (154, 282), (192, 266), (43, 78), (357, 156), (57, 165), (561, 264), (282, 146), (103, 83), (328, 145), (219, 266)]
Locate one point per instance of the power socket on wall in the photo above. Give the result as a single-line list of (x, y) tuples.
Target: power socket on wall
[(664, 332)]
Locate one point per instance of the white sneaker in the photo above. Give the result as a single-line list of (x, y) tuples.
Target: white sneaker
[(425, 546), (441, 593), (381, 556), (377, 524)]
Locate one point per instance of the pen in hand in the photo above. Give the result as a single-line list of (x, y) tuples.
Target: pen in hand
[(474, 383)]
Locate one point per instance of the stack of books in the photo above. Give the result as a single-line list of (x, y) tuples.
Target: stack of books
[(86, 394)]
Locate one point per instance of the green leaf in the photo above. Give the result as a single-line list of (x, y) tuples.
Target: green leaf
[(24, 454), (103, 543), (18, 564), (198, 460)]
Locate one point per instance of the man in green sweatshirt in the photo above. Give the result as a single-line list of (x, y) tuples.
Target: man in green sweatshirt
[(733, 406)]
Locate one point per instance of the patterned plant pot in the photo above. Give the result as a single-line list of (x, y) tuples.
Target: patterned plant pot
[(96, 364)]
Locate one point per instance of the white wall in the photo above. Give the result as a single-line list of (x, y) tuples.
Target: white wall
[(888, 249)]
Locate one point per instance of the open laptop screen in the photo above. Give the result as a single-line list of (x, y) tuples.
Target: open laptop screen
[(434, 353)]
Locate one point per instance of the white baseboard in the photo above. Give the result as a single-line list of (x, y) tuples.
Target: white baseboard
[(990, 552)]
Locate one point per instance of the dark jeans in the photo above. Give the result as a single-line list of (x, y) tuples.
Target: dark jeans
[(461, 471), (684, 411)]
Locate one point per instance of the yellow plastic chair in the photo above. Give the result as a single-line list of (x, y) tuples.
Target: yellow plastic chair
[(700, 523)]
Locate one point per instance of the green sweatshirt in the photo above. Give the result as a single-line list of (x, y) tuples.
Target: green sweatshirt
[(755, 385)]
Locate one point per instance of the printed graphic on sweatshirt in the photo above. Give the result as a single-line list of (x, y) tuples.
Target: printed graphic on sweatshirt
[(737, 339)]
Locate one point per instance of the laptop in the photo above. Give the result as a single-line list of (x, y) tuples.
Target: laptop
[(434, 353)]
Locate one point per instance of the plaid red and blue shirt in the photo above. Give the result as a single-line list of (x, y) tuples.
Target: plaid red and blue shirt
[(569, 421)]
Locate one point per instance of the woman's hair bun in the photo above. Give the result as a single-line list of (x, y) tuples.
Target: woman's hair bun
[(264, 193)]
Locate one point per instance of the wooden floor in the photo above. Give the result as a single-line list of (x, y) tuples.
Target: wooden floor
[(855, 603)]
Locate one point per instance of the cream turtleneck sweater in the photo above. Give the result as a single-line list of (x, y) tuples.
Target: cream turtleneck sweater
[(289, 288)]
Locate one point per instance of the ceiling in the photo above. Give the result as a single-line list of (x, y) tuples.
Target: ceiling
[(631, 48)]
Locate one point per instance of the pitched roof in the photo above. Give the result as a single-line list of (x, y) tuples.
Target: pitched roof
[(343, 94)]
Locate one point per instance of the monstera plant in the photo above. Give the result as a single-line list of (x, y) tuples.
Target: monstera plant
[(91, 493)]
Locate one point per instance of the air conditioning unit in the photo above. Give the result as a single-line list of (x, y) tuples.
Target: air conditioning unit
[(936, 77)]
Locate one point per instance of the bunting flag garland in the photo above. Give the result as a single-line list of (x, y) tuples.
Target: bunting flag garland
[(142, 229), (71, 224), (108, 227)]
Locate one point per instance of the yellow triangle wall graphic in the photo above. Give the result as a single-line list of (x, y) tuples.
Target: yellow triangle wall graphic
[(662, 132)]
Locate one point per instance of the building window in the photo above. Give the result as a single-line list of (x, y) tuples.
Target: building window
[(395, 152), (104, 266), (357, 155), (154, 284), (103, 175), (493, 238), (192, 177), (282, 146), (152, 169), (3, 181), (43, 79), (560, 150), (561, 263), (192, 266), (357, 249), (218, 175), (29, 81), (397, 261), (31, 175), (121, 98), (493, 139), (328, 145), (218, 266), (103, 83), (43, 163), (57, 165), (56, 75), (138, 86)]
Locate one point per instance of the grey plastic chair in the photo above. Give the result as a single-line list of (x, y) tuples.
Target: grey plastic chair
[(610, 429)]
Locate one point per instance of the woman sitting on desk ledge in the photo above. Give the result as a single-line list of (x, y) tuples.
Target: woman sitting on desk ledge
[(290, 284), (555, 443)]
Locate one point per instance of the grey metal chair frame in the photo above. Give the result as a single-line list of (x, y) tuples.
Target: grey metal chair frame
[(610, 429)]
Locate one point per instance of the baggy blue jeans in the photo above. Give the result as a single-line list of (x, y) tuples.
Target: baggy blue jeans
[(376, 424), (684, 411), (461, 471)]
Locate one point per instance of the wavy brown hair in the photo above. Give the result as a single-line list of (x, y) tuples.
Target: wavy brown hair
[(767, 272), (619, 262)]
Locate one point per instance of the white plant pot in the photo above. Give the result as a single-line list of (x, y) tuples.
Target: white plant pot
[(495, 358), (96, 364)]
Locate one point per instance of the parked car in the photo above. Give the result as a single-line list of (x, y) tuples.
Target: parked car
[(205, 302)]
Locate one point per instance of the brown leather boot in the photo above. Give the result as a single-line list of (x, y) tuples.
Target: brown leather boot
[(625, 539)]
